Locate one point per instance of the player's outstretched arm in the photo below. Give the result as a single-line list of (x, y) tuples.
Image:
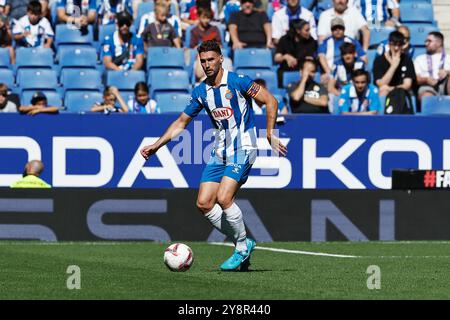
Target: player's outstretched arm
[(172, 131), (265, 97)]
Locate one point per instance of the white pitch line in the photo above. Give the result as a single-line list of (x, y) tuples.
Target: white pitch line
[(290, 251)]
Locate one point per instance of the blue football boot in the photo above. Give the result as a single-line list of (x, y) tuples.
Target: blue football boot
[(239, 257)]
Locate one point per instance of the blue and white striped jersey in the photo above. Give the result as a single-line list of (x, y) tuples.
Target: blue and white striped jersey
[(377, 9), (230, 108)]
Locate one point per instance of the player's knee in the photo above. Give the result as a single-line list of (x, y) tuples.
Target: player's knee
[(224, 200), (205, 205)]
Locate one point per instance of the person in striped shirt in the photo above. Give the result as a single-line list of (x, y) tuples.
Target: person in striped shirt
[(227, 99)]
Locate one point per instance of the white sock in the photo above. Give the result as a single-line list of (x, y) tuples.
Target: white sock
[(218, 220), (234, 218)]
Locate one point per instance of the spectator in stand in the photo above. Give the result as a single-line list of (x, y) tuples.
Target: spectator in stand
[(15, 9), (229, 8), (380, 13), (293, 11), (433, 67), (190, 14), (353, 19), (308, 96), (5, 104), (294, 48), (33, 30), (111, 95), (359, 97), (124, 50), (78, 12), (149, 18), (329, 50), (394, 69), (250, 28), (341, 74), (108, 9), (204, 30), (160, 33), (261, 109), (141, 102), (407, 48), (6, 37), (39, 104)]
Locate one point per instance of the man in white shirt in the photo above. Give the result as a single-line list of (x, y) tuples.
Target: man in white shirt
[(433, 67), (33, 30), (354, 22), (293, 11)]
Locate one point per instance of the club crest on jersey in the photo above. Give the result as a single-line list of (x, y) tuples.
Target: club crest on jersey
[(222, 113), (229, 95)]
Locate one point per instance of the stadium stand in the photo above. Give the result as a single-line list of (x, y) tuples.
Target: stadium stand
[(37, 79), (163, 80), (75, 79), (5, 58), (171, 102), (79, 101), (267, 75), (164, 57), (416, 11), (124, 80), (7, 77), (69, 35), (34, 58), (53, 98), (77, 57), (436, 105), (252, 59)]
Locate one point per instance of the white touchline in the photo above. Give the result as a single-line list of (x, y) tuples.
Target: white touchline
[(290, 251)]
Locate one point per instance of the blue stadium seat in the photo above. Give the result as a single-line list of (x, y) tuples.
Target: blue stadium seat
[(416, 12), (252, 58), (34, 58), (143, 8), (81, 79), (161, 80), (371, 55), (165, 57), (124, 80), (268, 75), (172, 102), (436, 105), (105, 30), (7, 77), (419, 33), (5, 62), (77, 101), (53, 98), (289, 77), (419, 51), (67, 34), (379, 35), (77, 57), (187, 35), (37, 79)]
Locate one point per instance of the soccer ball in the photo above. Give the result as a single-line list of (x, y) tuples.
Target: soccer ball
[(178, 257)]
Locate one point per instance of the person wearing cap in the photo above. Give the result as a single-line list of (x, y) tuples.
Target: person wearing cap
[(123, 50), (31, 176), (292, 11), (353, 20), (329, 51), (295, 47), (250, 28), (394, 69), (38, 105)]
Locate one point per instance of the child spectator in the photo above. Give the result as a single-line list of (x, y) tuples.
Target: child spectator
[(308, 96), (108, 9), (111, 95), (38, 105), (261, 109), (5, 104), (141, 102), (204, 30), (359, 97), (124, 50), (160, 33), (6, 37), (341, 74), (190, 13), (173, 19), (33, 30)]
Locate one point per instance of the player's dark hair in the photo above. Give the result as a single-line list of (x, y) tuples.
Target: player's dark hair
[(437, 35), (35, 7), (347, 47), (361, 72), (140, 86), (396, 37), (209, 45)]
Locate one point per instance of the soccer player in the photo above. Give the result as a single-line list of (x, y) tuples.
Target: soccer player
[(227, 98)]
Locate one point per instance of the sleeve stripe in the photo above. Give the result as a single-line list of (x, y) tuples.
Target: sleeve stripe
[(253, 90)]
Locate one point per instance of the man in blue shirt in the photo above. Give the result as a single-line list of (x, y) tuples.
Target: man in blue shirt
[(123, 50), (359, 97), (329, 51), (227, 99)]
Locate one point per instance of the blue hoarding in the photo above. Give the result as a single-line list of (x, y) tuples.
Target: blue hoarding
[(325, 152)]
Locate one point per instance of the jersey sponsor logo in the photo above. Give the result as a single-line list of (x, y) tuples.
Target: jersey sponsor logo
[(222, 113)]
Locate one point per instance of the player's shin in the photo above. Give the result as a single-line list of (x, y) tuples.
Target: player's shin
[(236, 221)]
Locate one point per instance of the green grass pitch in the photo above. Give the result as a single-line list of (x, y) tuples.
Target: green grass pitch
[(135, 270)]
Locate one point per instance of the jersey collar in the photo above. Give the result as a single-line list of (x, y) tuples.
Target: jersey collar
[(223, 81)]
